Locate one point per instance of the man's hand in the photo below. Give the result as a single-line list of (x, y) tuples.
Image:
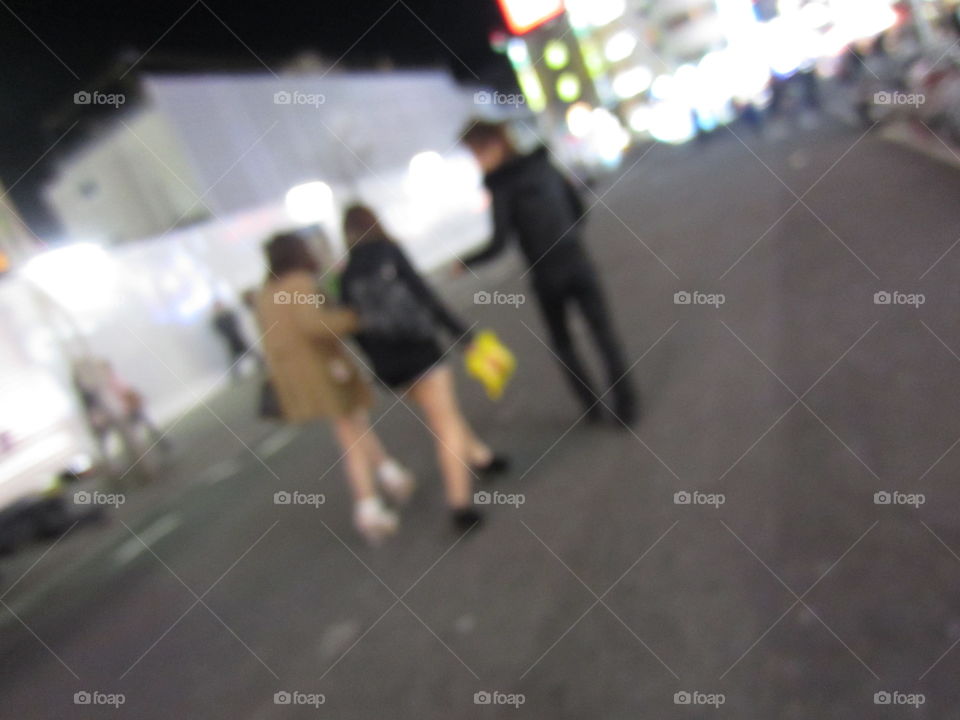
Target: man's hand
[(457, 268)]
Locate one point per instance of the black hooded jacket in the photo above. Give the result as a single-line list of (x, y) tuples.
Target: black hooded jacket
[(536, 202)]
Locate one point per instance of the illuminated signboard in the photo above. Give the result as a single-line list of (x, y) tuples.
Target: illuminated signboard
[(524, 15)]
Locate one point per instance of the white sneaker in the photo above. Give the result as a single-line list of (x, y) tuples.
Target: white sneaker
[(374, 521), (396, 481)]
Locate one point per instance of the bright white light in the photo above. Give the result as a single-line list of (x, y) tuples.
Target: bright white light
[(600, 136), (718, 83), (426, 164), (739, 74), (738, 20), (579, 119), (606, 11), (310, 202), (632, 82), (81, 277), (31, 400), (436, 200), (517, 51), (609, 137), (686, 84), (815, 15), (662, 87), (787, 45), (862, 18), (578, 13), (594, 13), (620, 46), (427, 174), (641, 119), (714, 65), (672, 123)]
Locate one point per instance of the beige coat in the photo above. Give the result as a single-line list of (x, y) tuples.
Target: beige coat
[(314, 374)]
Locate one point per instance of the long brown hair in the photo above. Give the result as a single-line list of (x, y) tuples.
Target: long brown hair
[(361, 224)]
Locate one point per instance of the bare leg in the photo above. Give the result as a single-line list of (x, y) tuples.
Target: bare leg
[(434, 392), (349, 431), (371, 517), (478, 451), (370, 442), (136, 453)]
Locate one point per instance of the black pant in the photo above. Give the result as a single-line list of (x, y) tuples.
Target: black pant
[(557, 291)]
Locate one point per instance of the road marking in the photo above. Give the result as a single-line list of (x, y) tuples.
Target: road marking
[(926, 144), (221, 471), (338, 637), (148, 536), (276, 442)]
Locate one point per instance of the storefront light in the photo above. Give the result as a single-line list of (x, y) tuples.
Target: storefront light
[(556, 55), (662, 87), (620, 46), (517, 51), (594, 13), (641, 118), (532, 89), (579, 119), (309, 202), (632, 82), (522, 16), (568, 87)]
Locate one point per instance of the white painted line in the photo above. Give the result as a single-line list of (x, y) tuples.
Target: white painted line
[(148, 536), (923, 143), (276, 442), (221, 471)]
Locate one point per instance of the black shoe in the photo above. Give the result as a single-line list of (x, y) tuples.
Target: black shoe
[(626, 409), (625, 417), (496, 465), (465, 519), (594, 414)]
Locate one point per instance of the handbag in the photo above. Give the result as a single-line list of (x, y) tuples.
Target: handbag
[(491, 362), (269, 408)]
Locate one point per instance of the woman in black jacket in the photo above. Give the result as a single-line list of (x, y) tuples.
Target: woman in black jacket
[(400, 320)]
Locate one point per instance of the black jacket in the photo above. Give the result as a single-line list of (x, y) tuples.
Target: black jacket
[(536, 202), (400, 316)]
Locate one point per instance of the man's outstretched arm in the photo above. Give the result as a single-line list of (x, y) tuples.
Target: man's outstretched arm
[(502, 227)]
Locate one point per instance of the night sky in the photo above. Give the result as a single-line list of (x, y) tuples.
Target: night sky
[(90, 37)]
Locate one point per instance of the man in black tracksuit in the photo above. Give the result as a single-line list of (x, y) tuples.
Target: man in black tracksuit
[(535, 202)]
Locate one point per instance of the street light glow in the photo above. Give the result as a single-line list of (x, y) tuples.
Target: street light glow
[(309, 202), (620, 46)]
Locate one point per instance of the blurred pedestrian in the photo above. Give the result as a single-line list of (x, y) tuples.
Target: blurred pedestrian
[(226, 323), (314, 377), (400, 320), (538, 205), (114, 409), (876, 81), (249, 299), (137, 416)]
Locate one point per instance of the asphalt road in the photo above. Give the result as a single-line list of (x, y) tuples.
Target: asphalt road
[(788, 406)]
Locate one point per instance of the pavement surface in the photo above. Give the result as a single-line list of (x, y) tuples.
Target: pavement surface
[(812, 427)]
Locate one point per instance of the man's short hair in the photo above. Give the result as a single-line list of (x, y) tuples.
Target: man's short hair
[(483, 133)]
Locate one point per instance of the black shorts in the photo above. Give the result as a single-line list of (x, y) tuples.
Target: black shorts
[(399, 366)]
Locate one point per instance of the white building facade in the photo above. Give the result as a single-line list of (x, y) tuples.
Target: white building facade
[(165, 212), (206, 146)]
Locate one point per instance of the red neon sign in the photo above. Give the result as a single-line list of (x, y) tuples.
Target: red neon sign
[(522, 16)]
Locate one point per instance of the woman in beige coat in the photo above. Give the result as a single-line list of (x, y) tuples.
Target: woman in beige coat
[(315, 377)]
